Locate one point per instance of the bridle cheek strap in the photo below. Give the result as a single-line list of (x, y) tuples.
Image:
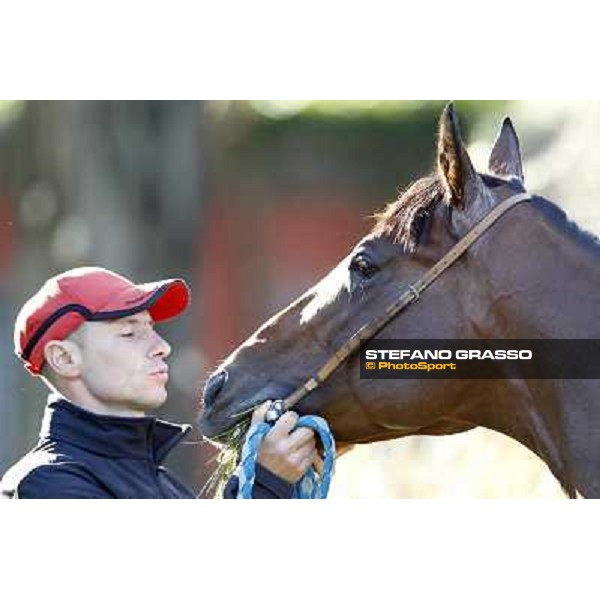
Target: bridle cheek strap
[(411, 293)]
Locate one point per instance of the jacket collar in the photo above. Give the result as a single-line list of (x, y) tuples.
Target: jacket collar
[(111, 436)]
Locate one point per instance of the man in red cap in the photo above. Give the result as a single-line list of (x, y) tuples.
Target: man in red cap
[(90, 334)]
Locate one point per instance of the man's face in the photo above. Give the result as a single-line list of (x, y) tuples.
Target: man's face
[(123, 362)]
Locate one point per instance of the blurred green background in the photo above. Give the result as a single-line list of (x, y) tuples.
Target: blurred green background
[(252, 202)]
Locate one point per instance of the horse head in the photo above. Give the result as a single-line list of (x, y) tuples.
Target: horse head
[(486, 294)]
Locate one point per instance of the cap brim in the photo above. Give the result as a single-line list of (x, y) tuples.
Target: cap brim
[(162, 299)]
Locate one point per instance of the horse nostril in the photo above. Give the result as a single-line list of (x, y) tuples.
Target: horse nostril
[(213, 387)]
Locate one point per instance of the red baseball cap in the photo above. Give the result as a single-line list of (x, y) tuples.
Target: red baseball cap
[(89, 294)]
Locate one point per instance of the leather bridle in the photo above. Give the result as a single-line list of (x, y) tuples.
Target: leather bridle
[(409, 295)]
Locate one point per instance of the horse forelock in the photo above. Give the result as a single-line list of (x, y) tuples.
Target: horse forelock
[(402, 220)]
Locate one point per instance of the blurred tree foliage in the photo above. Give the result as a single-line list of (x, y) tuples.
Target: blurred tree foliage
[(376, 145)]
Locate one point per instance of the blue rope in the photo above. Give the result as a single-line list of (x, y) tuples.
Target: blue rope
[(312, 486)]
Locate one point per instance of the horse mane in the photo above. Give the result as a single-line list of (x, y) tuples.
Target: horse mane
[(403, 220), (561, 220)]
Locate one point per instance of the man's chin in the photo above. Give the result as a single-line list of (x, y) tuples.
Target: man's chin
[(156, 403), (151, 402)]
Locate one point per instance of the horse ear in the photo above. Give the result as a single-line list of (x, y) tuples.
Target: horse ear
[(461, 181), (505, 159)]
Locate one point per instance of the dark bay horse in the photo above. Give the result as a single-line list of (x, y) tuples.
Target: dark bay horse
[(534, 274)]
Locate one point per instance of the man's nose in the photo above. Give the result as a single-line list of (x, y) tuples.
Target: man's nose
[(160, 346)]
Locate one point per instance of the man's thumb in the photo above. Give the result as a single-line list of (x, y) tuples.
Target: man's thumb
[(285, 424), (258, 416)]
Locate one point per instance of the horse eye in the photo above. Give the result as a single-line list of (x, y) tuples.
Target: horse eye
[(363, 265)]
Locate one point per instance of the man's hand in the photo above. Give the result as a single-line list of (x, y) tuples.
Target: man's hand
[(284, 452)]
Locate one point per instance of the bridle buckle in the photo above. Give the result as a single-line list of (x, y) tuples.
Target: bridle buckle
[(416, 296)]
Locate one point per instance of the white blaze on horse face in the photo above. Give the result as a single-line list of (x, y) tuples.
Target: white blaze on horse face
[(327, 291)]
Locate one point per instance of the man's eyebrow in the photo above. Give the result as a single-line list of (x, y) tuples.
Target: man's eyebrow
[(133, 321)]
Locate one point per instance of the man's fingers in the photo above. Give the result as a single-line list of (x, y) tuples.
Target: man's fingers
[(284, 425), (258, 416), (318, 463), (303, 436), (304, 459)]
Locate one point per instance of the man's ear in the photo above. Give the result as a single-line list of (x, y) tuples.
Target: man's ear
[(505, 159), (63, 358)]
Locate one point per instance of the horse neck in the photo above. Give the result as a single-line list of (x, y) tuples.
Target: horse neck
[(544, 277)]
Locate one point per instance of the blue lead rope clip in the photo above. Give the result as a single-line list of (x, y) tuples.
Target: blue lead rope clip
[(312, 486)]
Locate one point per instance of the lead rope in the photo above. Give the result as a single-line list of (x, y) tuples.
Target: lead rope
[(312, 486)]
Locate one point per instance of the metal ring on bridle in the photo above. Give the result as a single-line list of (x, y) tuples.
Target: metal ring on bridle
[(415, 293), (274, 412)]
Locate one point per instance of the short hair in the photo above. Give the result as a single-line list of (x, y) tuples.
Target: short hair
[(47, 373)]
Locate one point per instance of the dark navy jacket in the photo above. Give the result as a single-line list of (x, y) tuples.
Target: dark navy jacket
[(84, 455)]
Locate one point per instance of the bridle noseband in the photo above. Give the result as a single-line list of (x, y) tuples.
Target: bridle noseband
[(412, 293)]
